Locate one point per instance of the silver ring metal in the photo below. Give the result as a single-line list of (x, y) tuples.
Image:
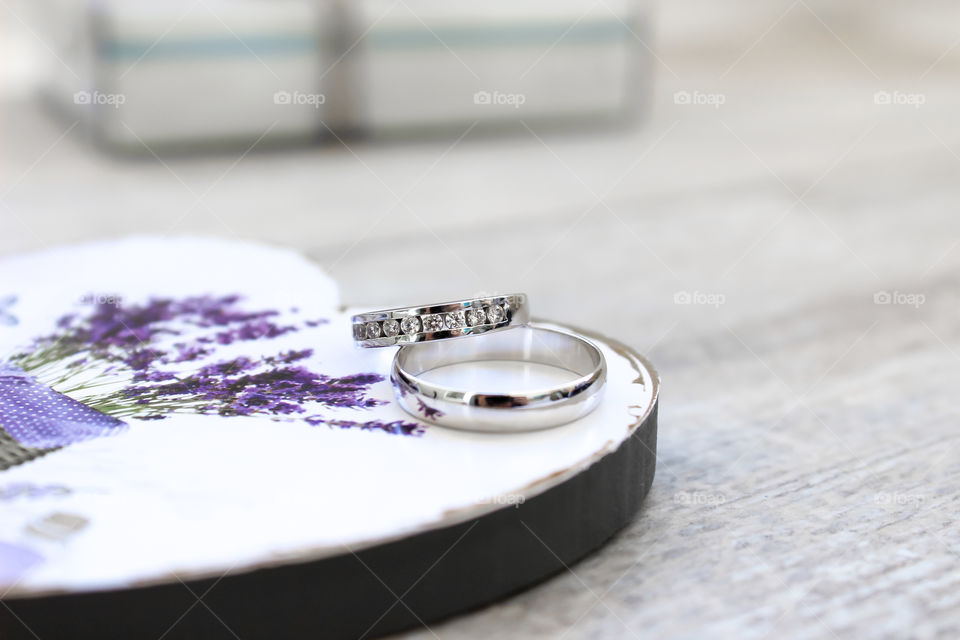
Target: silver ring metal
[(442, 321), (523, 410)]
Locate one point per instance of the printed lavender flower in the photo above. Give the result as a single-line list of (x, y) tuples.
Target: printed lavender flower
[(37, 416), (164, 347), (397, 427), (190, 352), (288, 357), (228, 389), (7, 318), (30, 491), (118, 331), (252, 331)]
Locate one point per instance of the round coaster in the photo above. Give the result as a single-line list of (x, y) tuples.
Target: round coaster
[(463, 559), (299, 501)]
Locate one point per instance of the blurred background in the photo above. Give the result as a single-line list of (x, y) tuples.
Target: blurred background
[(571, 149), (762, 197)]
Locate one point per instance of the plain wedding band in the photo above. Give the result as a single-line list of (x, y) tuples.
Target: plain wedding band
[(525, 410), (441, 321)]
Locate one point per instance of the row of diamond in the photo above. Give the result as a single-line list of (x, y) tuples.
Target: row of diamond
[(472, 317)]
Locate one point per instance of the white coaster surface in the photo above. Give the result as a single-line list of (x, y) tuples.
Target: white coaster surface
[(236, 425)]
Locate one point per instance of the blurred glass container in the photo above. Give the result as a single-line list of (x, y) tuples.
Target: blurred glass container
[(186, 75), (433, 64), (183, 73)]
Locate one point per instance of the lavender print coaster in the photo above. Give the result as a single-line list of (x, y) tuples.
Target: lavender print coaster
[(203, 399)]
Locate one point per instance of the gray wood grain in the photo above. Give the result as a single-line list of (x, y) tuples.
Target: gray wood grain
[(809, 462)]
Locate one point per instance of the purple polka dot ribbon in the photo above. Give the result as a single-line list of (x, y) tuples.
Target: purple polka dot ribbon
[(37, 416)]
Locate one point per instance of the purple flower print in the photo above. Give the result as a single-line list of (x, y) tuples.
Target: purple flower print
[(252, 331), (166, 351), (190, 352), (116, 330), (7, 318), (30, 491), (288, 357), (37, 416), (396, 427), (230, 389)]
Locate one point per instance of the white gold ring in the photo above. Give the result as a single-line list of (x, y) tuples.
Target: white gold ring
[(442, 321), (521, 410)]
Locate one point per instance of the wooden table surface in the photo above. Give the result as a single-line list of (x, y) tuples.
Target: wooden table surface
[(809, 465)]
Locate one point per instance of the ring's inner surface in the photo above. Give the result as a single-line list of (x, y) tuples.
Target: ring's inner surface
[(522, 356), (499, 376)]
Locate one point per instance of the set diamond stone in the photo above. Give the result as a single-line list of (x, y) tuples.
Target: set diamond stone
[(431, 322)]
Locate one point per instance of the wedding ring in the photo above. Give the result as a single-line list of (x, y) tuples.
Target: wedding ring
[(410, 325), (521, 410)]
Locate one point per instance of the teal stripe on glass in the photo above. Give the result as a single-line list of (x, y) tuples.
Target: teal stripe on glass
[(504, 35), (229, 46), (263, 46)]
